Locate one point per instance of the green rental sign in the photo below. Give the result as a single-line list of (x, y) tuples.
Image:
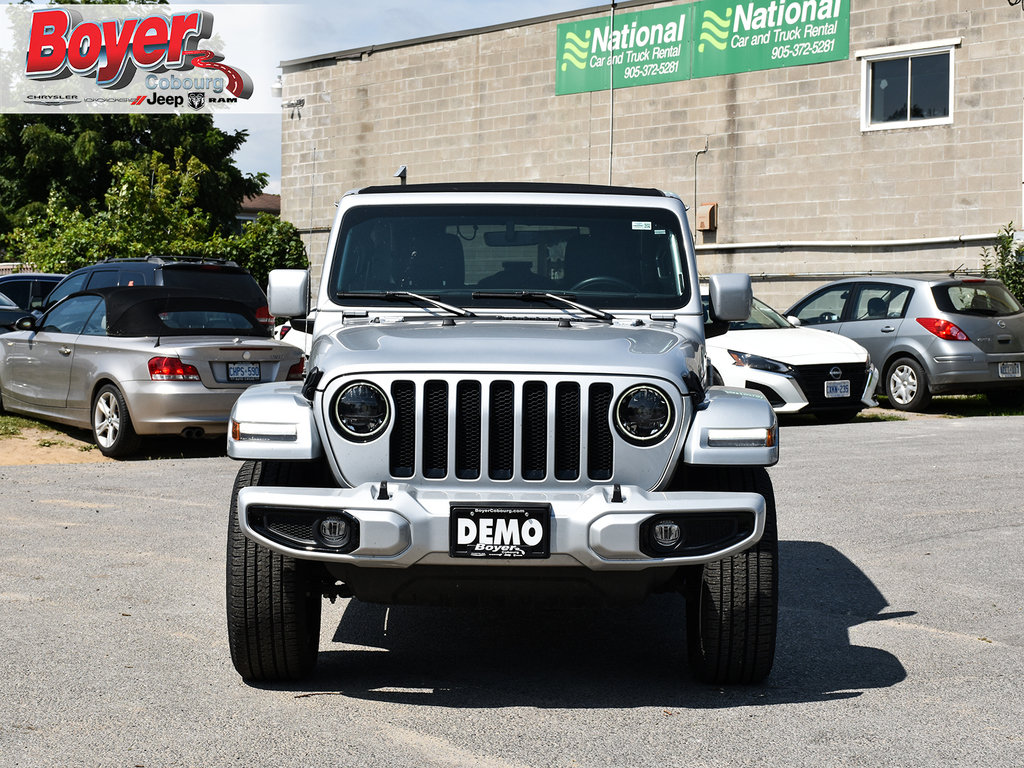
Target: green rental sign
[(700, 39)]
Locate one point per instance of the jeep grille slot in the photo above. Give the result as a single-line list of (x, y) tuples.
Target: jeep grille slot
[(435, 429), (501, 432), (403, 434), (535, 432), (600, 443), (567, 431), (467, 430)]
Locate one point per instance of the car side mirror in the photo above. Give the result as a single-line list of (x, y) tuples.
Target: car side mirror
[(27, 323), (793, 319), (288, 293), (730, 298)]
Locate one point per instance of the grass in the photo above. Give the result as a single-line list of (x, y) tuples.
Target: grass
[(966, 406), (12, 426)]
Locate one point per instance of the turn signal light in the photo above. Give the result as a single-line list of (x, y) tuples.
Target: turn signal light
[(171, 369), (942, 328)]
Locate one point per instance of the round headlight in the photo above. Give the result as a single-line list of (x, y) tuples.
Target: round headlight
[(643, 414), (361, 411)]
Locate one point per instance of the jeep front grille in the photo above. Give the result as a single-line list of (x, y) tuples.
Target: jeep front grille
[(526, 435), (502, 429)]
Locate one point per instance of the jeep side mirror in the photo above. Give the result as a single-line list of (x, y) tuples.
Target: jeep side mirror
[(288, 292), (730, 298)]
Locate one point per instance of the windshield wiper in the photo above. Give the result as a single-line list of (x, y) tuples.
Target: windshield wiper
[(406, 296), (565, 299)]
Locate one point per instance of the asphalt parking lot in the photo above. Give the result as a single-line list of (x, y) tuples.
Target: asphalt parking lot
[(901, 640)]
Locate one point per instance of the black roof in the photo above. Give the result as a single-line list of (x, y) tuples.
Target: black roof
[(136, 310), (514, 186)]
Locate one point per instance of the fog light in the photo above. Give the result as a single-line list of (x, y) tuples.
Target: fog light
[(334, 532), (667, 534)]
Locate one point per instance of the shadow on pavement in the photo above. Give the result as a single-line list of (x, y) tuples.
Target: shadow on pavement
[(625, 657)]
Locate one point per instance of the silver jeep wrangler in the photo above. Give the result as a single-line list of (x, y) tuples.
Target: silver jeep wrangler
[(507, 399)]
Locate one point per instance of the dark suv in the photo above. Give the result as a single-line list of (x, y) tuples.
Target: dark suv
[(28, 289), (216, 277)]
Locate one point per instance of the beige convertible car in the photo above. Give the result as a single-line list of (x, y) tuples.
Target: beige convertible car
[(132, 361)]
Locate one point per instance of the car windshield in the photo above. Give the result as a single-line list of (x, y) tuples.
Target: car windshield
[(761, 317), (611, 257), (976, 298)]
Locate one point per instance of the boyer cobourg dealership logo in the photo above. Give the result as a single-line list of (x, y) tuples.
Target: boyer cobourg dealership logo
[(165, 52)]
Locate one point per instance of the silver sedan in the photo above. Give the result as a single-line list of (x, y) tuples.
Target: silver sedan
[(928, 335), (126, 362)]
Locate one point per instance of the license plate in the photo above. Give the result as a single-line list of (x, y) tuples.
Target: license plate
[(510, 533), (839, 388), (1009, 370), (243, 371)]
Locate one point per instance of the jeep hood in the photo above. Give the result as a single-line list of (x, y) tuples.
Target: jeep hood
[(532, 345)]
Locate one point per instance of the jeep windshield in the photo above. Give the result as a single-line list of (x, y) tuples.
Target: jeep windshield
[(476, 255)]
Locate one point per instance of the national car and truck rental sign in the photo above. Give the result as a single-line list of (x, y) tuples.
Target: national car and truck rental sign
[(700, 39)]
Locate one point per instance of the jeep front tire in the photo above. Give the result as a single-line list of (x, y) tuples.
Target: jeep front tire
[(273, 601), (732, 604)]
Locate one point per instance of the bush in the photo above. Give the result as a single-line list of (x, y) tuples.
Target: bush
[(1005, 261)]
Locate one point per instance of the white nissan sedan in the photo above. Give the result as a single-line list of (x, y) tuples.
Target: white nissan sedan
[(798, 369)]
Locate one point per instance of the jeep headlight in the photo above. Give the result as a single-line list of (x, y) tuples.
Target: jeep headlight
[(643, 414), (759, 363), (361, 411)]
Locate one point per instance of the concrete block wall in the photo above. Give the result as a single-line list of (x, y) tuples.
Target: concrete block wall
[(787, 159)]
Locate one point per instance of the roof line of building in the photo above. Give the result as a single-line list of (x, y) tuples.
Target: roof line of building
[(366, 50)]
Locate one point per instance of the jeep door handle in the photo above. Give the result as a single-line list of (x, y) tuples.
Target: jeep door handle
[(887, 329), (65, 351)]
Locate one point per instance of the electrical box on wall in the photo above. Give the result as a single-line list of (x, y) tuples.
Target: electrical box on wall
[(707, 217)]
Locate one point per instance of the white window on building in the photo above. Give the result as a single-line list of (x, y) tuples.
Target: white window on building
[(907, 85)]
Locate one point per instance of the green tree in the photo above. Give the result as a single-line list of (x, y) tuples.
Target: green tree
[(1005, 261), (75, 156), (151, 207), (265, 244)]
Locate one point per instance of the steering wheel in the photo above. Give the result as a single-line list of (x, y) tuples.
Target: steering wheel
[(608, 279)]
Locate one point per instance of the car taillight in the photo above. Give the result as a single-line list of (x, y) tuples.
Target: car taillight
[(943, 329), (298, 371), (264, 316), (284, 331), (171, 369)]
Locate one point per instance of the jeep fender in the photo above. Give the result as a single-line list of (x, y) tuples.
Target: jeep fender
[(733, 426), (273, 421)]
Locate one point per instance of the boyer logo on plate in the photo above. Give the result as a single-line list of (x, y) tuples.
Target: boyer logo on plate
[(112, 52)]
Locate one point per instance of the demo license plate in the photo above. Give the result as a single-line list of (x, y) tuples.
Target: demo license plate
[(839, 388), (243, 371), (1009, 370), (513, 532)]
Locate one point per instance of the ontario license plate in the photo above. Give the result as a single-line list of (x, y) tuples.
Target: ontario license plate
[(1009, 370), (243, 371), (505, 532), (839, 388)]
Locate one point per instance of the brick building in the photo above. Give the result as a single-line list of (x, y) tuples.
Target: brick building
[(842, 135)]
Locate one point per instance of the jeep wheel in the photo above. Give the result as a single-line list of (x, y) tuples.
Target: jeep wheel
[(906, 385), (732, 604), (273, 601), (112, 427)]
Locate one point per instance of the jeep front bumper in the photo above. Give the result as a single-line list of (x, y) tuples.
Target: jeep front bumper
[(604, 528)]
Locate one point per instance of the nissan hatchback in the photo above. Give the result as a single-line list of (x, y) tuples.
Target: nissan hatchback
[(928, 335)]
